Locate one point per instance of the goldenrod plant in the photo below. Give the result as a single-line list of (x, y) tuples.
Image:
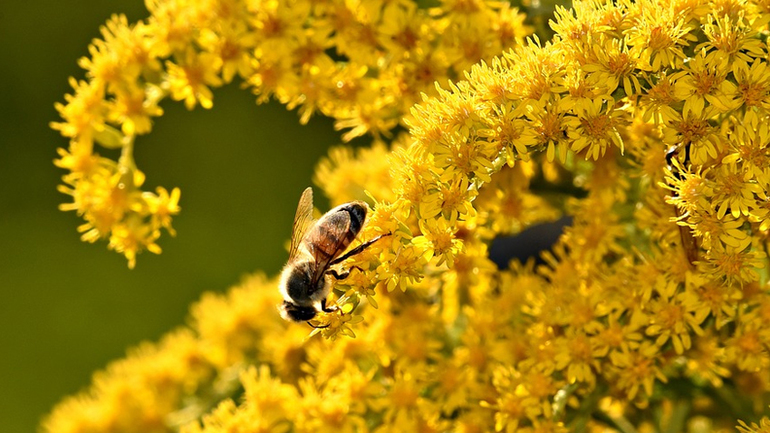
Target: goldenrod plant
[(646, 122), (362, 63)]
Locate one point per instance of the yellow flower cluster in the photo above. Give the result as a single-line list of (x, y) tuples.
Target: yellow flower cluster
[(363, 63), (763, 427), (644, 121)]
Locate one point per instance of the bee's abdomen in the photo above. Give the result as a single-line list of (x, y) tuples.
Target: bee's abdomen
[(357, 212), (337, 229)]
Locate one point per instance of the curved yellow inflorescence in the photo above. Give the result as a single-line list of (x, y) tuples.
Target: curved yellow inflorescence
[(363, 63), (646, 123)]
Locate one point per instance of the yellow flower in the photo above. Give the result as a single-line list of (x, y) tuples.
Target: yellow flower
[(343, 173), (370, 112), (581, 91), (389, 218), (162, 206), (637, 370), (171, 26), (596, 232), (576, 24), (468, 279), (751, 137), (439, 239), (616, 337), (691, 190), (80, 160), (734, 263), (131, 237), (473, 158), (735, 191), (231, 45), (706, 361), (746, 347), (403, 405), (189, 80), (692, 128), (455, 383), (137, 393), (331, 325), (132, 110), (106, 66), (231, 325), (576, 356), (673, 316), (656, 102), (451, 199), (85, 111), (593, 131), (720, 299), (752, 88), (403, 266), (402, 27), (267, 407), (706, 79), (614, 66), (658, 39), (413, 173), (551, 128), (762, 427), (326, 409), (510, 132), (733, 37), (519, 401)]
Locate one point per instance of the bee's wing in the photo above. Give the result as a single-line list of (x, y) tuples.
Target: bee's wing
[(303, 219), (328, 240)]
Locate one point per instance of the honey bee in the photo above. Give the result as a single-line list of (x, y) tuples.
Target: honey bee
[(316, 246)]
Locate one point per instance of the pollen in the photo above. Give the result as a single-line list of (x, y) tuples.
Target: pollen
[(659, 38), (597, 126), (750, 343), (403, 396), (692, 130)]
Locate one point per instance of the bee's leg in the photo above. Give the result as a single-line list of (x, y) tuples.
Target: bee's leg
[(327, 309), (317, 327), (357, 250), (337, 276)]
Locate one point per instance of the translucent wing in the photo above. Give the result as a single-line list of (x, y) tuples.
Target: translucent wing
[(302, 220), (328, 240)]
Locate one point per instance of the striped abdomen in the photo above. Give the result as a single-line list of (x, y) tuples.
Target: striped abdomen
[(331, 235)]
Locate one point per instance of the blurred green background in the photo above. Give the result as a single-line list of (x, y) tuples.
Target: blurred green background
[(68, 307)]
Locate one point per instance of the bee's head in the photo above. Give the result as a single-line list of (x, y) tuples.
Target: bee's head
[(296, 313)]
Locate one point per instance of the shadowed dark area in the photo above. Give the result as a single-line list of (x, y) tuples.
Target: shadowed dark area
[(529, 243)]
